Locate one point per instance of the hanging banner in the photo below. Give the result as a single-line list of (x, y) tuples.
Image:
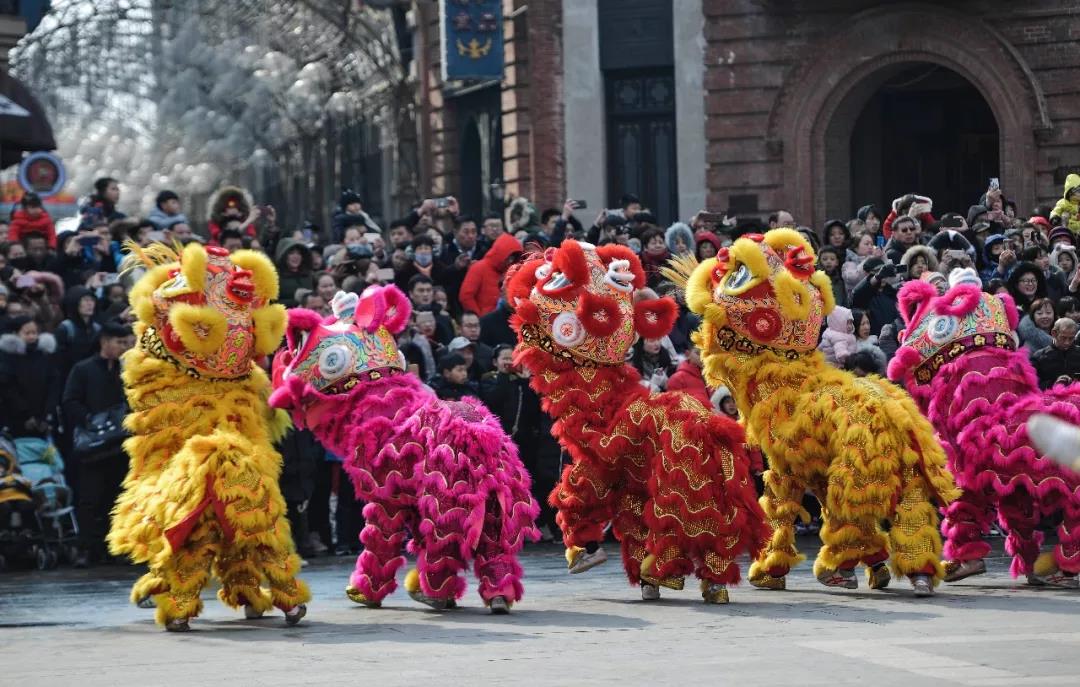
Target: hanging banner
[(472, 44)]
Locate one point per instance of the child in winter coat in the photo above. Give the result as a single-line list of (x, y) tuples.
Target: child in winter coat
[(1067, 210), (31, 217), (838, 341)]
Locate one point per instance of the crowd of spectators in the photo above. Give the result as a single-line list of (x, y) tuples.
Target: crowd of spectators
[(65, 321)]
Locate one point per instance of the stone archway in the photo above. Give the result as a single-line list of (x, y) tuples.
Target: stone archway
[(848, 67)]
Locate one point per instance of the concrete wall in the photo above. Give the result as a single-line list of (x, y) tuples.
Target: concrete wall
[(689, 23), (583, 107)]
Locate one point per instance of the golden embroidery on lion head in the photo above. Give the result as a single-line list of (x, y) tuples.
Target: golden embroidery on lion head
[(209, 311), (763, 288)]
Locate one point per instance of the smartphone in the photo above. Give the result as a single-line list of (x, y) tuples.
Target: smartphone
[(89, 240), (901, 270), (579, 204), (880, 241), (442, 203), (385, 274), (952, 222), (995, 183), (371, 237)]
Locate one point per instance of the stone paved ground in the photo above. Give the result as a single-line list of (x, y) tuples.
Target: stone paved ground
[(71, 627)]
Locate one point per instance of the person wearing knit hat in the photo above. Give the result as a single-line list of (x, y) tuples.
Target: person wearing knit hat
[(1060, 235), (707, 244), (1041, 222), (938, 281)]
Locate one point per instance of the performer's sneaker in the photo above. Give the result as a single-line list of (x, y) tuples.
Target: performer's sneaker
[(1045, 571), (922, 585), (498, 605), (844, 579), (251, 613), (357, 596), (178, 625), (958, 570), (714, 593), (649, 592), (146, 602), (294, 614), (579, 560), (877, 575), (437, 604)]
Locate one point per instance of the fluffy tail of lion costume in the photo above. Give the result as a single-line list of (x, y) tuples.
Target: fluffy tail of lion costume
[(201, 496)]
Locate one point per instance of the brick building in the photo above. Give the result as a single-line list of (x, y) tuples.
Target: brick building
[(818, 106)]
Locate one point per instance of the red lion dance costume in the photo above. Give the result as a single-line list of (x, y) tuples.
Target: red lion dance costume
[(444, 472), (671, 477), (959, 360)]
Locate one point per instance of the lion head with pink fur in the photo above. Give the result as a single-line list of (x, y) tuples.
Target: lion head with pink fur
[(939, 330), (327, 359)]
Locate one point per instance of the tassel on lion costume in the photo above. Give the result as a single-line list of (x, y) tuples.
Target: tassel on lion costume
[(201, 494), (858, 444)]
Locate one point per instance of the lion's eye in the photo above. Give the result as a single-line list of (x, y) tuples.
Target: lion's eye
[(739, 278), (558, 280), (335, 361)]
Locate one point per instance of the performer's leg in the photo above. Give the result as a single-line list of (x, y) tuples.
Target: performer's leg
[(238, 570), (185, 572), (496, 565), (967, 521), (782, 503), (629, 528), (845, 544), (1067, 552), (383, 538), (916, 541), (280, 565), (585, 503), (1019, 515)]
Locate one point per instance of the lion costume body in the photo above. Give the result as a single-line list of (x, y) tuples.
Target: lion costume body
[(201, 496)]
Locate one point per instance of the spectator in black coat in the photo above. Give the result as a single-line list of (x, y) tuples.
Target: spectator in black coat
[(506, 392), (495, 326), (94, 386), (301, 456), (29, 384), (876, 293), (469, 326), (77, 334), (1058, 363), (452, 383)]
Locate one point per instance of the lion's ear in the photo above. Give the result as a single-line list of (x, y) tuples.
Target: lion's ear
[(201, 329), (141, 297), (193, 266), (263, 274), (269, 328)]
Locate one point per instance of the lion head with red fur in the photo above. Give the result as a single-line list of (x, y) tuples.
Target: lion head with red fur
[(577, 303)]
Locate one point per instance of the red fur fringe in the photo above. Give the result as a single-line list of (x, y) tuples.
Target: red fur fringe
[(654, 318)]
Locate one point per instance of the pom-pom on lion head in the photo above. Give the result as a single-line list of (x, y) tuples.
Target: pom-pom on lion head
[(327, 358), (941, 329), (204, 309), (577, 303), (764, 289)]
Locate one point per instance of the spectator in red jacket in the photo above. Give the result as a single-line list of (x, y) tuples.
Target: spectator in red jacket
[(480, 289), (911, 205), (31, 217), (688, 378)]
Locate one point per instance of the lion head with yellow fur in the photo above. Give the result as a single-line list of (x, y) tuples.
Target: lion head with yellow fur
[(761, 292), (206, 310)]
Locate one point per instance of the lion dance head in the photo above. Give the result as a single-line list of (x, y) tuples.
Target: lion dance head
[(577, 303), (327, 359), (761, 292), (205, 310), (939, 330)]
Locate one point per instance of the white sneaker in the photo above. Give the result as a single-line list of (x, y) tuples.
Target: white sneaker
[(845, 579), (1059, 579), (177, 625), (251, 614), (499, 606), (584, 560), (923, 585), (649, 592), (956, 571), (146, 602)]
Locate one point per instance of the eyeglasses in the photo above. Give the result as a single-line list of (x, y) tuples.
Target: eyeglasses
[(1028, 281), (904, 229)]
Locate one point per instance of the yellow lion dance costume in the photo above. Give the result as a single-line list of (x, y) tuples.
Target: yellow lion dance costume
[(201, 494), (859, 445)]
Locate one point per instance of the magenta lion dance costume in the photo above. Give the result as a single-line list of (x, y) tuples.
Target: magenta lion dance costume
[(960, 362), (443, 472)]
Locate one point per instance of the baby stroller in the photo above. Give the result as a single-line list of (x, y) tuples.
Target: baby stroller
[(47, 528), (18, 520)]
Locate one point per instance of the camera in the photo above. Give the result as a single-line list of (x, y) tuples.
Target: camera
[(442, 203), (359, 251), (614, 219)]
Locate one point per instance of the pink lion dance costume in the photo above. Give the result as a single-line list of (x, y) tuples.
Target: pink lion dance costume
[(444, 472), (960, 362)]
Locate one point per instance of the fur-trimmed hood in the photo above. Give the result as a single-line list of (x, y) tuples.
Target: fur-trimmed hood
[(13, 345), (1057, 252), (677, 230), (221, 197), (927, 254)]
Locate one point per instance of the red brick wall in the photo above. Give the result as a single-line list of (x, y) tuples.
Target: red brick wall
[(771, 65)]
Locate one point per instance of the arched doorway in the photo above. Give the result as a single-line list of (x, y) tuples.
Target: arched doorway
[(910, 127)]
